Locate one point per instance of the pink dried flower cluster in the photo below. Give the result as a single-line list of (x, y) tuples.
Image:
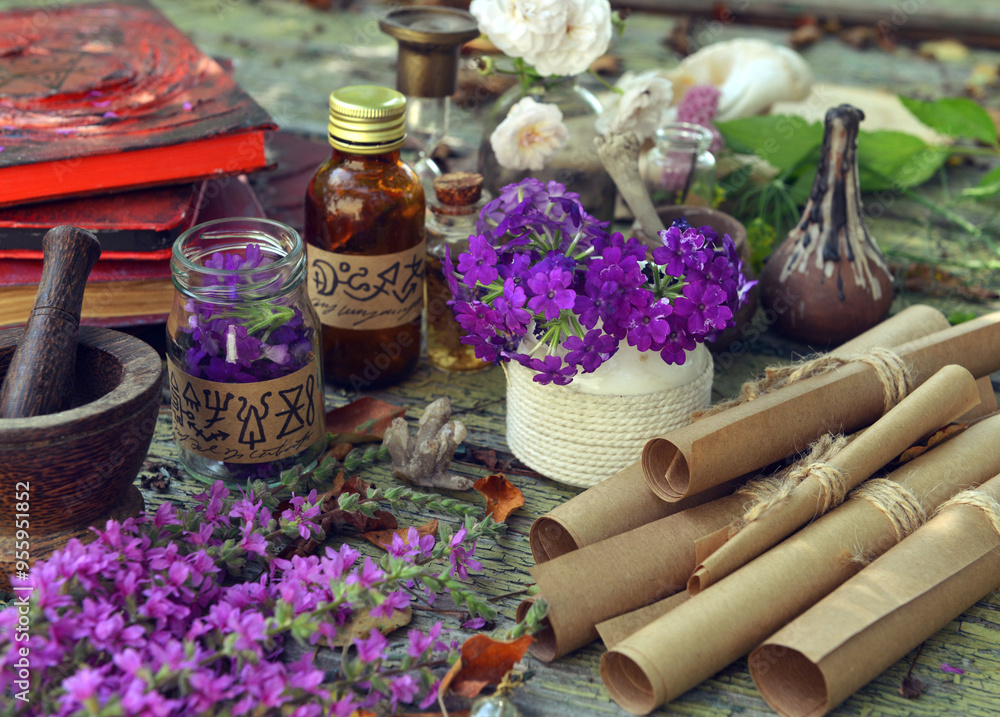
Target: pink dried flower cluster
[(193, 613)]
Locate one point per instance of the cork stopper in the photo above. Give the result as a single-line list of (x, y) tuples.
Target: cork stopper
[(457, 192)]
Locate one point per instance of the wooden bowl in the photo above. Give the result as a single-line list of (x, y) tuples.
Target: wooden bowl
[(66, 471)]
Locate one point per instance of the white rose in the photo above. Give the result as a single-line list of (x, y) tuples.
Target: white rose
[(521, 28), (642, 107), (529, 134), (586, 36)]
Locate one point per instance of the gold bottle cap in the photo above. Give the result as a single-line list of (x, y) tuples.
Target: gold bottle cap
[(367, 119)]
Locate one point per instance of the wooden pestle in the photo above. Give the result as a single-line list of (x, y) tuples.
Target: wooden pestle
[(40, 375)]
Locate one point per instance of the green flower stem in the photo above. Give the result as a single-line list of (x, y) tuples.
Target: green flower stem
[(572, 245), (258, 317), (952, 216), (608, 85), (942, 211)]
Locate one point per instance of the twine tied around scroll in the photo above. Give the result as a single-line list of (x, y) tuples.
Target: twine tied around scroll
[(892, 372), (977, 499), (900, 505), (769, 492)]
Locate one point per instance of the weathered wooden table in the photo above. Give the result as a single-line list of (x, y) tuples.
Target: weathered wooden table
[(290, 56)]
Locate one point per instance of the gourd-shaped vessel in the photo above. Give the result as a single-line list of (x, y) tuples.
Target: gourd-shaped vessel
[(828, 281)]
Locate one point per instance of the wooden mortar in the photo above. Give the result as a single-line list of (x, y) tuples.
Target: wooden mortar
[(77, 413), (79, 464)]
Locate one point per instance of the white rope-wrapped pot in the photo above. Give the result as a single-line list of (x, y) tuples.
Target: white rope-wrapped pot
[(576, 436)]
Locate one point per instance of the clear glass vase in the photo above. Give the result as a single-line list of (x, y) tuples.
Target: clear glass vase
[(576, 164), (680, 169)]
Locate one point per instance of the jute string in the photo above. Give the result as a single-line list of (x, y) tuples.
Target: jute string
[(769, 492), (891, 370), (977, 499), (900, 505)]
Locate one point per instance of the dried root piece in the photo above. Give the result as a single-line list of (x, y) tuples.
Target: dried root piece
[(423, 459)]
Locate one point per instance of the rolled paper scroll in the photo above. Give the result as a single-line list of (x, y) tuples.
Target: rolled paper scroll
[(891, 606), (625, 501), (715, 627), (747, 437), (944, 397), (617, 505), (622, 573), (618, 628), (987, 401)]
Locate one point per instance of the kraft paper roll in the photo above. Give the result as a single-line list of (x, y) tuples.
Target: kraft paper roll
[(944, 397), (712, 629), (913, 322), (625, 501), (618, 628), (622, 573), (755, 434), (617, 505), (890, 607), (987, 401)]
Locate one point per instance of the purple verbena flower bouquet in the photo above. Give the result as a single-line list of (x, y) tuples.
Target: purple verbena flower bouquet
[(544, 284)]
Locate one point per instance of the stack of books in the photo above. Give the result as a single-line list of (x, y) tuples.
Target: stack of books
[(111, 119)]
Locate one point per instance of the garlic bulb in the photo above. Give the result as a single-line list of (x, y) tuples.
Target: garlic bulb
[(828, 281), (751, 75)]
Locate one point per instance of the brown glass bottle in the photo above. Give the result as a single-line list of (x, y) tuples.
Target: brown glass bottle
[(364, 232)]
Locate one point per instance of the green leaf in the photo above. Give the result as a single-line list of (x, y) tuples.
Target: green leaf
[(784, 141), (889, 159), (955, 117)]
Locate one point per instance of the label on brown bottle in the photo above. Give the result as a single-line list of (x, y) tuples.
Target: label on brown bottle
[(354, 291), (247, 422)]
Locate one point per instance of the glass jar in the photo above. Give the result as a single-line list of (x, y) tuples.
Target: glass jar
[(680, 169), (576, 165), (246, 384), (452, 216), (364, 234)]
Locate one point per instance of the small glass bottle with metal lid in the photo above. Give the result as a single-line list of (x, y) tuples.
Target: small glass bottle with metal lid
[(364, 234)]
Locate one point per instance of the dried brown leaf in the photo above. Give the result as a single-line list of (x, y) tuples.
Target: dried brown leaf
[(484, 661), (920, 448), (926, 279), (383, 538), (486, 456), (502, 496), (911, 688), (946, 50), (361, 421), (362, 623)]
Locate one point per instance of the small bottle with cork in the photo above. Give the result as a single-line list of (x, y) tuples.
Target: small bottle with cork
[(364, 233), (452, 217)]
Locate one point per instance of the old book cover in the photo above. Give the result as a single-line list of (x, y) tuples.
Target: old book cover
[(106, 96), (125, 288), (138, 220), (138, 224)]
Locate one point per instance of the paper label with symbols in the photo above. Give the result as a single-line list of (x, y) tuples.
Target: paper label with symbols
[(247, 422), (353, 291)]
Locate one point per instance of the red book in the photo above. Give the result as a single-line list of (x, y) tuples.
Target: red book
[(139, 224), (107, 96), (124, 288)]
